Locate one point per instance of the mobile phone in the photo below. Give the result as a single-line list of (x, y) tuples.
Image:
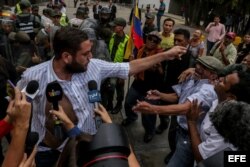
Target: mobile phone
[(10, 89)]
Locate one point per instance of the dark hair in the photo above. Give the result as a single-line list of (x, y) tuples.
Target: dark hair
[(242, 89), (217, 16), (68, 39), (182, 31), (232, 120), (169, 19)]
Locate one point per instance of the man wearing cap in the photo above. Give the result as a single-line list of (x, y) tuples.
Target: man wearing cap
[(64, 20), (56, 16), (149, 26), (26, 21), (104, 16), (197, 87), (105, 31), (224, 50), (117, 48), (206, 141)]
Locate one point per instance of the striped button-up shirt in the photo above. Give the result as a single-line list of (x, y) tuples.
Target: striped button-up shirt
[(76, 90)]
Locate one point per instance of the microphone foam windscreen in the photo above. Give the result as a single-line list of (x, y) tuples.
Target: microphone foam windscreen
[(54, 91), (32, 87), (92, 85)]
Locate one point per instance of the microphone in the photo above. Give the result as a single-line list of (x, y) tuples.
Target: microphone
[(31, 140), (31, 90), (94, 97), (54, 94)]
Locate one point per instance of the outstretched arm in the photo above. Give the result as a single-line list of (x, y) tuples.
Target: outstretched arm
[(139, 65), (173, 109)]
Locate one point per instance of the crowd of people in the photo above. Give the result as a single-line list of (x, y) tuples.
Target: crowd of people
[(200, 92)]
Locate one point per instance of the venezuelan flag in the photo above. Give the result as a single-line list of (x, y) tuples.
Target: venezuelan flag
[(135, 34)]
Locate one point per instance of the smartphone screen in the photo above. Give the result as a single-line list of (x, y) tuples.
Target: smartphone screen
[(10, 89)]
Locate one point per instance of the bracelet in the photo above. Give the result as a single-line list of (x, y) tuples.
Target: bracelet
[(74, 132)]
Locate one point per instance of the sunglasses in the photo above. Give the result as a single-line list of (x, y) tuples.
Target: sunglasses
[(152, 39)]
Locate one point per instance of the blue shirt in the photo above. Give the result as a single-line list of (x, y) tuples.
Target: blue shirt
[(193, 89), (76, 90), (161, 9)]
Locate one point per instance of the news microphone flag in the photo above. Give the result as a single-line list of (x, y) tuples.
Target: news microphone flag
[(135, 36)]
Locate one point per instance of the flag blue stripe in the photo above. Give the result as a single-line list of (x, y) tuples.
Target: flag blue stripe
[(137, 26)]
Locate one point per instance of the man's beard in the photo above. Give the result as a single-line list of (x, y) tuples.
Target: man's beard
[(75, 67)]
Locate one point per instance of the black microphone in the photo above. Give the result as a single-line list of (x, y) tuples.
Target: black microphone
[(31, 90), (94, 97), (31, 140), (54, 94)]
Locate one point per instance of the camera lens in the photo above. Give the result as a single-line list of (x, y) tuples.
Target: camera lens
[(109, 148)]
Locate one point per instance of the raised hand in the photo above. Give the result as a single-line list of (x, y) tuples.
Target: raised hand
[(29, 161), (194, 113), (19, 110)]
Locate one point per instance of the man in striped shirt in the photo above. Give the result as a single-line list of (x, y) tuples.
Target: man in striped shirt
[(73, 68)]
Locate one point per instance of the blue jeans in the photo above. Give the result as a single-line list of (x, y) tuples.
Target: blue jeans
[(131, 99), (209, 47), (183, 155), (149, 120)]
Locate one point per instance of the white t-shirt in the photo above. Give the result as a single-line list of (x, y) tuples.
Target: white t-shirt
[(212, 141)]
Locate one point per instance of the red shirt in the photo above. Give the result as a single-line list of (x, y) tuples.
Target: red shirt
[(5, 128)]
